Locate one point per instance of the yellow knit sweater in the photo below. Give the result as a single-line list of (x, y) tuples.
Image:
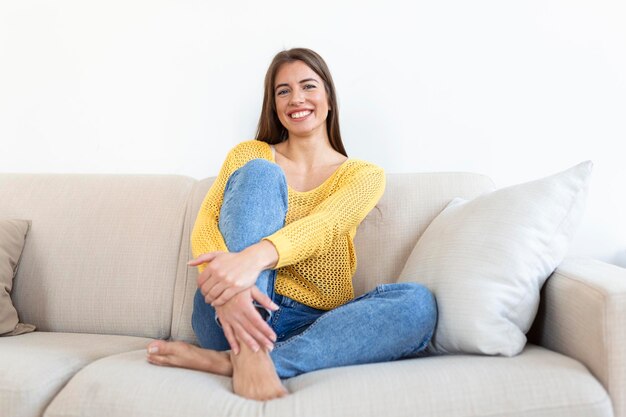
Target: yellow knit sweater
[(316, 258)]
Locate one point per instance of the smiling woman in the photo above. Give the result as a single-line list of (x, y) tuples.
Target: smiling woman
[(301, 100), (273, 242), (271, 128)]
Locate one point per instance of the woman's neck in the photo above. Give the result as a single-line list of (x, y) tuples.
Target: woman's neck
[(307, 151)]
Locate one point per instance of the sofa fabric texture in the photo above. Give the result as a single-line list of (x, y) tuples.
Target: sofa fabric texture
[(36, 366), (109, 244), (103, 271), (585, 299), (536, 383)]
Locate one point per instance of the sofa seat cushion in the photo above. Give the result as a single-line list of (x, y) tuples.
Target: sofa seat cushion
[(35, 366), (538, 382)]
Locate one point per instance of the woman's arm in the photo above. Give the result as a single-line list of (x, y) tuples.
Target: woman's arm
[(228, 273), (239, 319), (313, 235), (242, 322), (206, 236), (310, 236)]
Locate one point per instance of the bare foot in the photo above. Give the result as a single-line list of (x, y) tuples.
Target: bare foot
[(184, 355), (254, 375)]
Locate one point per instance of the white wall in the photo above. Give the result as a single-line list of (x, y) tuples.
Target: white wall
[(515, 90)]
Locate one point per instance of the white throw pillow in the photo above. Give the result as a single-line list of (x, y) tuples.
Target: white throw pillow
[(486, 260)]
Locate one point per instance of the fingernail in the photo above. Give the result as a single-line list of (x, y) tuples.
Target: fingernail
[(255, 349), (273, 337), (270, 348), (275, 306), (153, 349)]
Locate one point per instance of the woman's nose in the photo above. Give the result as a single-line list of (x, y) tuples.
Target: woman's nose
[(297, 97)]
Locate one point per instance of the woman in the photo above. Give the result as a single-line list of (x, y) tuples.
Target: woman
[(273, 242)]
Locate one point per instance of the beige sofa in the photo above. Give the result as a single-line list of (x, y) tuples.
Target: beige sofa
[(104, 272)]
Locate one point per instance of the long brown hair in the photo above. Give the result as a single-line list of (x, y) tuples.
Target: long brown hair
[(270, 130)]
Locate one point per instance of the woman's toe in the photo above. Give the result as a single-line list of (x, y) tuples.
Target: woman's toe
[(157, 347)]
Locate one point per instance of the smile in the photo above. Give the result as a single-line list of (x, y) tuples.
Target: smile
[(300, 114)]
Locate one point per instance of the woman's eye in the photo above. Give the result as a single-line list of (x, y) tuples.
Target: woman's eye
[(281, 92), (308, 86)]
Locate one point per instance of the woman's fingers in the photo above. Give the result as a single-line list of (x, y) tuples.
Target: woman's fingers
[(260, 338), (216, 291), (208, 299), (207, 295), (243, 336), (251, 329), (259, 329), (203, 277), (204, 258), (206, 288), (230, 336), (263, 299), (226, 295), (223, 297), (241, 321)]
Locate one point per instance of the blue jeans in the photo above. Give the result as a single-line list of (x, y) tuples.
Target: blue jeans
[(391, 322)]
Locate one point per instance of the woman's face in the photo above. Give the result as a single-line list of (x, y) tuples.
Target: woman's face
[(301, 100)]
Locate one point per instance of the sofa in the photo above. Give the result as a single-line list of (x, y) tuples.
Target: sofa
[(103, 272)]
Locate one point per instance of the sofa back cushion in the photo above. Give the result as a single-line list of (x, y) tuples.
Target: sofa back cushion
[(383, 240), (102, 251)]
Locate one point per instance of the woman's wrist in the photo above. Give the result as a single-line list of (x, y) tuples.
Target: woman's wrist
[(264, 253)]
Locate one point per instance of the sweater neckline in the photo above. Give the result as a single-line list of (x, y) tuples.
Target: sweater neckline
[(319, 187)]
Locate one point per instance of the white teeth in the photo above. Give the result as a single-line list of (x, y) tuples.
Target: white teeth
[(300, 114)]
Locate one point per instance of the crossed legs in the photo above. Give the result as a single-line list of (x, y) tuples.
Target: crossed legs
[(254, 206), (390, 322)]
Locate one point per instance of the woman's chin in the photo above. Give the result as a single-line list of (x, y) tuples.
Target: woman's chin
[(305, 131)]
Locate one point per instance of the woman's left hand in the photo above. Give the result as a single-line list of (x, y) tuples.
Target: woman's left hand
[(228, 273)]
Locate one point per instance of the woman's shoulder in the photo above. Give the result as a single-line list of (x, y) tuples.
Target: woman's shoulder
[(249, 149), (252, 145), (362, 167), (361, 173)]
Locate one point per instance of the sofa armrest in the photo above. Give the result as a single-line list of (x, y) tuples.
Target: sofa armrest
[(583, 316)]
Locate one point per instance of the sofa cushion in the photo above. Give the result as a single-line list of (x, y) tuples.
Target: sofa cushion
[(486, 260), (12, 235), (383, 240), (35, 366), (102, 253), (538, 382)]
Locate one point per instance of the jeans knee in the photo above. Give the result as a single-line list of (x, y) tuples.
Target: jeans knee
[(259, 179), (261, 170), (421, 302), (421, 306)]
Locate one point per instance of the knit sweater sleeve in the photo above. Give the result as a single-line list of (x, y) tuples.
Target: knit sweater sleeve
[(206, 236), (359, 190)]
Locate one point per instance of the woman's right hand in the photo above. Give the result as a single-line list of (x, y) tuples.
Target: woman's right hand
[(242, 322)]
